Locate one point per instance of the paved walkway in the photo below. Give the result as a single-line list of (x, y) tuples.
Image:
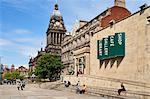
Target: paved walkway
[(30, 92)]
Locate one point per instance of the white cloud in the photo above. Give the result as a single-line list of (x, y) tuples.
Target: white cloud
[(27, 40), (28, 50), (4, 42), (31, 41), (16, 32), (21, 31)]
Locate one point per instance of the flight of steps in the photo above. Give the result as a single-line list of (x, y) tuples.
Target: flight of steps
[(110, 86), (109, 93)]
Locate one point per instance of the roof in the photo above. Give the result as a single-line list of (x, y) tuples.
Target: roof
[(105, 12), (126, 18)]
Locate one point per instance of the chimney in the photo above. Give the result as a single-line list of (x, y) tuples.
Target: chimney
[(120, 3)]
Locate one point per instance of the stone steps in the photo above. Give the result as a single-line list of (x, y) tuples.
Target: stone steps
[(107, 92)]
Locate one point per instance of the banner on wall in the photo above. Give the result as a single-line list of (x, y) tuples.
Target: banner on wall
[(111, 47), (100, 50)]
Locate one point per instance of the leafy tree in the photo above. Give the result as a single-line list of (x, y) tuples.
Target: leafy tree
[(13, 75), (7, 76), (49, 66), (30, 74)]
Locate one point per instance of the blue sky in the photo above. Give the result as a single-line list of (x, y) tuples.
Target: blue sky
[(23, 23)]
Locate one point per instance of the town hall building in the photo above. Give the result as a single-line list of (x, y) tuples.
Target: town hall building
[(110, 49)]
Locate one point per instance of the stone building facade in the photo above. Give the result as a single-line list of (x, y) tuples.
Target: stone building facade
[(133, 68), (135, 65), (33, 61), (76, 47)]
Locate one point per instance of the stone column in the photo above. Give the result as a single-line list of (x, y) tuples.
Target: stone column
[(75, 67), (49, 38), (59, 38), (56, 38), (53, 38), (76, 64)]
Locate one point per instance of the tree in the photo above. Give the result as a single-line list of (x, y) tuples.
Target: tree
[(7, 76), (13, 75), (49, 66)]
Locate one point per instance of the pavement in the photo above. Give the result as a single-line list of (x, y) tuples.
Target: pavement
[(32, 92)]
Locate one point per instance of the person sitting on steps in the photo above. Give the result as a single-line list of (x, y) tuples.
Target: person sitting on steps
[(83, 89), (78, 87), (122, 89)]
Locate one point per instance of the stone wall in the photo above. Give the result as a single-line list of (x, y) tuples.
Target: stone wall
[(133, 69), (135, 66)]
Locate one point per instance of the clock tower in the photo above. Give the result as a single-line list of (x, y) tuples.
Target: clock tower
[(55, 32)]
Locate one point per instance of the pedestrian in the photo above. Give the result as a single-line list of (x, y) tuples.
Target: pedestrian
[(122, 89), (77, 73), (18, 85), (21, 84), (78, 87), (67, 83)]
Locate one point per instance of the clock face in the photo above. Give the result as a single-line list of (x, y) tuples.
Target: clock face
[(56, 17), (57, 23)]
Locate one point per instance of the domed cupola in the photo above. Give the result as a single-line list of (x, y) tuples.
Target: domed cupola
[(56, 12)]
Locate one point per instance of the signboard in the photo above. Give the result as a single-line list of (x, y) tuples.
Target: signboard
[(100, 50), (120, 44), (105, 48), (111, 47)]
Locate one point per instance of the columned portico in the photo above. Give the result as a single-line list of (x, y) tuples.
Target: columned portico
[(81, 61)]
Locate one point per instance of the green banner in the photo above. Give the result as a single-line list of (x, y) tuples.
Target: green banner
[(105, 48), (120, 44), (112, 46), (100, 49), (97, 49)]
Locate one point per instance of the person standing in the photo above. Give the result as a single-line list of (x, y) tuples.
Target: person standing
[(18, 85), (21, 84)]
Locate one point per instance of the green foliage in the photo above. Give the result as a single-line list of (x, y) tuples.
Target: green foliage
[(30, 74), (21, 77), (7, 76), (13, 75), (49, 66)]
